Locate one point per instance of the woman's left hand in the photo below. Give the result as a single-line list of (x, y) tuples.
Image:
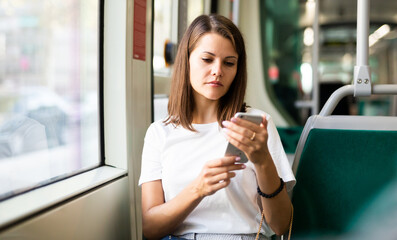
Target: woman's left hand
[(248, 137)]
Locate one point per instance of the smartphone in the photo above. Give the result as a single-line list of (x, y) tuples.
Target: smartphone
[(231, 150)]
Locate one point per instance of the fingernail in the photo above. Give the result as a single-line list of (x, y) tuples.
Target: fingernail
[(225, 130), (234, 119), (243, 166), (225, 123), (238, 159)]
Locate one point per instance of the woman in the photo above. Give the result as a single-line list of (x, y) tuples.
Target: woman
[(189, 188)]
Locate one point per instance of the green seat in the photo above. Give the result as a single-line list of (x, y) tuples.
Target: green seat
[(289, 137), (340, 173)]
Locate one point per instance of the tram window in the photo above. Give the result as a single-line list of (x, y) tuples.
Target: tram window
[(281, 41), (49, 78)]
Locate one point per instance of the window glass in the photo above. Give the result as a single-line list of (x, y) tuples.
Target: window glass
[(48, 91), (281, 53)]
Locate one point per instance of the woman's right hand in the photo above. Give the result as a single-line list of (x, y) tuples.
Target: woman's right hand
[(161, 218), (215, 175)]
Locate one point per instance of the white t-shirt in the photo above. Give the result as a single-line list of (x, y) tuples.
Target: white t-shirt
[(177, 155)]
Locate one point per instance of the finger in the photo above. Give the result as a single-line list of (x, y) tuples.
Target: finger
[(212, 171), (244, 127), (245, 123), (221, 177), (244, 145), (244, 136), (243, 131), (219, 170), (220, 185), (223, 161), (264, 122)]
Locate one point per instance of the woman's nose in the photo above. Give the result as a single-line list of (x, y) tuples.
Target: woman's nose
[(217, 69)]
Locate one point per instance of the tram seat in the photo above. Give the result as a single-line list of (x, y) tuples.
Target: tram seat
[(342, 164)]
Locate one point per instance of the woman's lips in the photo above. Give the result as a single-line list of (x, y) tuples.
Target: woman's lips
[(215, 84)]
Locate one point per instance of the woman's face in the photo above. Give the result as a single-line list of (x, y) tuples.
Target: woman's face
[(213, 66)]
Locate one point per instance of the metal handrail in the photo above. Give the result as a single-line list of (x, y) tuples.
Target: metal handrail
[(334, 99)]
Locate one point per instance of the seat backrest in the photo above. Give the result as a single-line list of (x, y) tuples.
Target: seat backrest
[(341, 164)]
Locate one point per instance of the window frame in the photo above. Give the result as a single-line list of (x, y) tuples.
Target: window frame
[(113, 154)]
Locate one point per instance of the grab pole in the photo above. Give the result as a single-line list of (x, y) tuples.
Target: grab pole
[(362, 75)]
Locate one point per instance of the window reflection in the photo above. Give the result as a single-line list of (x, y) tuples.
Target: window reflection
[(48, 91)]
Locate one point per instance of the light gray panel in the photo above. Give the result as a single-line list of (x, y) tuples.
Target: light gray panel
[(100, 214)]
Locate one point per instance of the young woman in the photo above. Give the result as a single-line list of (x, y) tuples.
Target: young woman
[(189, 188)]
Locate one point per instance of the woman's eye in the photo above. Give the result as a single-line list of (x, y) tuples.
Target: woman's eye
[(230, 64), (207, 60)]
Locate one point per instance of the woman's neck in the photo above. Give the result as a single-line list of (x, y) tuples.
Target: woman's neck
[(205, 112)]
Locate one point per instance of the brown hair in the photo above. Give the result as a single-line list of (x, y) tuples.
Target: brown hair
[(181, 101)]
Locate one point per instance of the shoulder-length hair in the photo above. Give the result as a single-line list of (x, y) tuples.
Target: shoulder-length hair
[(181, 102)]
